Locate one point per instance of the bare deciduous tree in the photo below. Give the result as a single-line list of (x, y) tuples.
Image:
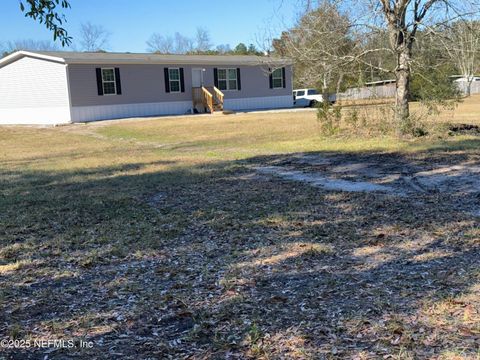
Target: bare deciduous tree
[(183, 44), (158, 43), (202, 40), (461, 42), (176, 44), (322, 45), (402, 34), (404, 19), (329, 39), (27, 44), (223, 49), (93, 37)]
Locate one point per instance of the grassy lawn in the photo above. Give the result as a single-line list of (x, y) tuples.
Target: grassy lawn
[(156, 239)]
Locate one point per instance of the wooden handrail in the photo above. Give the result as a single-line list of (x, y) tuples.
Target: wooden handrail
[(218, 95), (207, 99)]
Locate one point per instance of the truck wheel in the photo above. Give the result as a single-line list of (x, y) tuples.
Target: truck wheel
[(313, 103)]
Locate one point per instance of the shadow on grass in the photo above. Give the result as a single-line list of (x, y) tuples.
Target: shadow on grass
[(216, 261)]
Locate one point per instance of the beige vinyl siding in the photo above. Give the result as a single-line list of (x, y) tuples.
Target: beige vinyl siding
[(140, 84), (145, 84)]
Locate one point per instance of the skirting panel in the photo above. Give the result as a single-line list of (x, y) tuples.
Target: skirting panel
[(107, 112), (35, 116), (270, 102)]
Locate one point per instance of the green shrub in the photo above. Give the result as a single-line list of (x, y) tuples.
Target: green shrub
[(434, 86), (329, 118)]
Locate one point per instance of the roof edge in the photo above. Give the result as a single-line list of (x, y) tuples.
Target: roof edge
[(19, 54), (179, 62), (112, 59)]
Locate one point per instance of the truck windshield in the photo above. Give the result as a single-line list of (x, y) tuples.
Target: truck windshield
[(312, 92)]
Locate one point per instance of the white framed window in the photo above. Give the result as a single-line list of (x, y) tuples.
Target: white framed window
[(227, 79), (109, 82), (277, 78), (174, 79)]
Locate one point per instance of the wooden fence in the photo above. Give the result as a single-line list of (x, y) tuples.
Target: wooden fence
[(368, 92), (383, 93)]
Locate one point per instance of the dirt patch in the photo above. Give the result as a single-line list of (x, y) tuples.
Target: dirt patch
[(464, 129), (222, 262), (373, 174), (325, 182)]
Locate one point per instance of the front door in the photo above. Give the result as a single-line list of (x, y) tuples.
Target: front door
[(197, 78)]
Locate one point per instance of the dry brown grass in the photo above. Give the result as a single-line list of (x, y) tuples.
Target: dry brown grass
[(154, 238), (367, 118), (465, 111), (366, 102)]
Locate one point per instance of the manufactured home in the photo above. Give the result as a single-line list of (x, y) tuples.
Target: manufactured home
[(68, 87)]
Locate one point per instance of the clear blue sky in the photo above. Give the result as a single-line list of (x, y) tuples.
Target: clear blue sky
[(131, 22)]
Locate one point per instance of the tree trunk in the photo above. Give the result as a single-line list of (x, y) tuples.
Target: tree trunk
[(469, 84), (339, 82), (402, 75)]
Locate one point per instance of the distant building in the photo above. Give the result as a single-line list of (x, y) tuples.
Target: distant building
[(463, 78), (467, 85)]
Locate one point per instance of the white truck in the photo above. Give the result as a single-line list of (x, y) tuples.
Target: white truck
[(306, 98), (309, 98)]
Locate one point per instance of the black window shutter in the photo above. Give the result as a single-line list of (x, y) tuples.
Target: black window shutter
[(118, 82), (215, 77), (284, 77), (167, 80), (239, 82), (270, 78), (182, 81), (99, 81)]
